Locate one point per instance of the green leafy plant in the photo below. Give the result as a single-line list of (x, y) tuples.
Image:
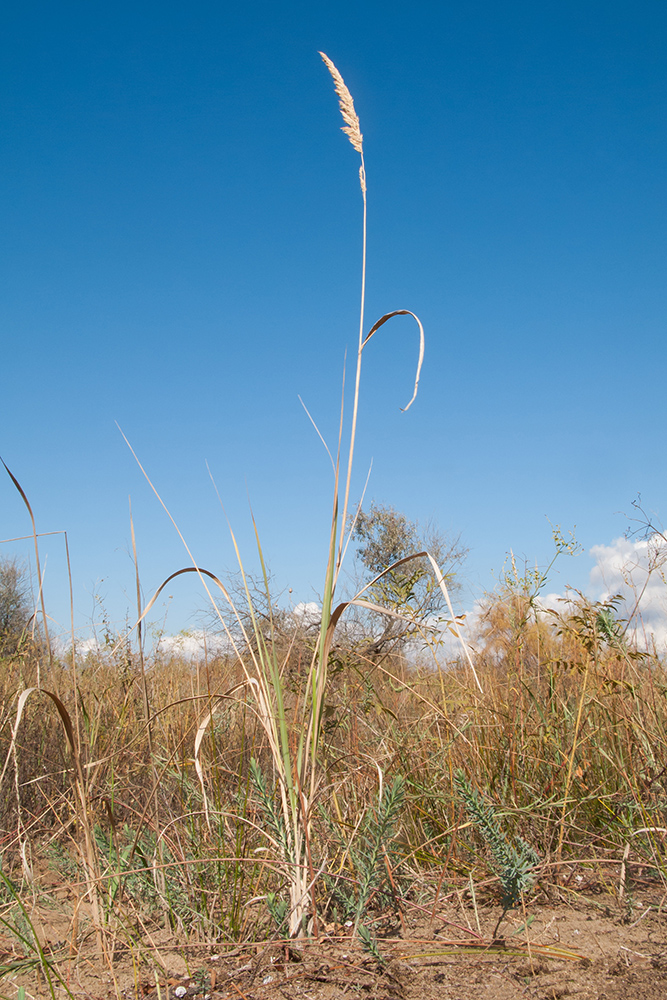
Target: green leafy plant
[(370, 944), (275, 823), (369, 864), (369, 851), (514, 862)]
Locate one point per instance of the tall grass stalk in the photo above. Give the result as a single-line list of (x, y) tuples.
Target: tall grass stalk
[(295, 759), (45, 621)]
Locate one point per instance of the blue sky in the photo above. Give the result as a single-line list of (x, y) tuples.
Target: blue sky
[(180, 254)]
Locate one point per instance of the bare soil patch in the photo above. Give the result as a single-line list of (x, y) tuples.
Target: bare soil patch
[(584, 946)]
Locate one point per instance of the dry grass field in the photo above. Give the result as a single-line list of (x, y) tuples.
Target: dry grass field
[(160, 843), (318, 815)]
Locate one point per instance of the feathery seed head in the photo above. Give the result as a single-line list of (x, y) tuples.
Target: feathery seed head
[(351, 127)]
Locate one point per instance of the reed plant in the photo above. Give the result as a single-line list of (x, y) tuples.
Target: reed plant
[(294, 741), (295, 756), (239, 799)]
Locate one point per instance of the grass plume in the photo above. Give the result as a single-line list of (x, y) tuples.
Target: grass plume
[(351, 128)]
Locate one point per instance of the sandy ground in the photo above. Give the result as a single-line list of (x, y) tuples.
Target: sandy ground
[(582, 945)]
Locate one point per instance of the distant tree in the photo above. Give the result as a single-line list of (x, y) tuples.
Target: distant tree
[(15, 605), (385, 536)]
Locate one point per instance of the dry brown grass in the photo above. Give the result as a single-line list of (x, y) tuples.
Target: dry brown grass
[(579, 785)]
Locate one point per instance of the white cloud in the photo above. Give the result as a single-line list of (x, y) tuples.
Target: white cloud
[(62, 646), (85, 646), (307, 614), (562, 603), (546, 601), (195, 644), (635, 568)]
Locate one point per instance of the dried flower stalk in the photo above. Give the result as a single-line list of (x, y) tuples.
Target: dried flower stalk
[(350, 117)]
